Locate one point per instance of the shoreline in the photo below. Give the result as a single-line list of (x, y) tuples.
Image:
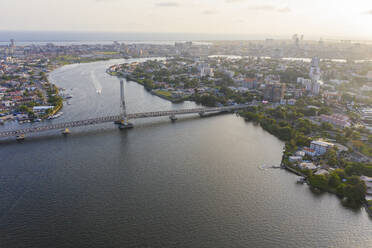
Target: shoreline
[(171, 99)]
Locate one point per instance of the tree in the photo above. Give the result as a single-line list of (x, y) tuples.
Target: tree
[(370, 138), (340, 173), (331, 156), (285, 133), (340, 189), (24, 109), (327, 126), (355, 192), (319, 181), (148, 83), (334, 180)]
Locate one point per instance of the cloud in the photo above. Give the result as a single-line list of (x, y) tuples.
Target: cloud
[(369, 12), (269, 8), (209, 12), (263, 7), (234, 1), (166, 4), (284, 10), (105, 1)]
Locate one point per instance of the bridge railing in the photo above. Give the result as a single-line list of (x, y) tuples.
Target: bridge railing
[(114, 118)]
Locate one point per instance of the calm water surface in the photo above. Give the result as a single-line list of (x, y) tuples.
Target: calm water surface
[(195, 183)]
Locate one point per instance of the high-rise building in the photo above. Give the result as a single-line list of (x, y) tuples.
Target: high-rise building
[(12, 46), (274, 92), (315, 69)]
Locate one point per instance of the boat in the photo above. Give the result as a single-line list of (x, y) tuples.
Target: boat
[(20, 137), (276, 166), (55, 116), (302, 180), (66, 131)]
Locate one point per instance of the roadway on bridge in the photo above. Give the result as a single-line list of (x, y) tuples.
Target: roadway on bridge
[(115, 118)]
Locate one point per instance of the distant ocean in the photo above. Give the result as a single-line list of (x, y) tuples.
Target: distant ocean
[(24, 37)]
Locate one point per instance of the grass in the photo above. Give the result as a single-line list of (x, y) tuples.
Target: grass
[(163, 93), (362, 147), (108, 53)]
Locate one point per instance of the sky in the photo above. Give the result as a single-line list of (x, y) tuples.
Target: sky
[(314, 18)]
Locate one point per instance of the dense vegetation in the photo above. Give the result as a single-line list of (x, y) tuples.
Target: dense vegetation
[(290, 125)]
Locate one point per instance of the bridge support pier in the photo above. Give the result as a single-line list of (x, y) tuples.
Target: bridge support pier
[(173, 118), (125, 125)]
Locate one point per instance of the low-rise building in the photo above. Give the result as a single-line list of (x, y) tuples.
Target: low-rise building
[(321, 172), (320, 147), (295, 159), (300, 153), (41, 109), (309, 151), (337, 120), (307, 165), (368, 182)]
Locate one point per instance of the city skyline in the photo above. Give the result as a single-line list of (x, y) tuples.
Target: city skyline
[(315, 19)]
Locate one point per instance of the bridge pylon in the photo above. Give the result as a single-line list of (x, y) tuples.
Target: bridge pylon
[(124, 123)]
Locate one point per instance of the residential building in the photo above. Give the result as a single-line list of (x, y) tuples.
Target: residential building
[(274, 92), (309, 151), (307, 165), (295, 159), (337, 120), (320, 147), (315, 69)]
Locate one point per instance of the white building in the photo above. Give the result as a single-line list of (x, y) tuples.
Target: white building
[(316, 87), (321, 172), (309, 166), (40, 109), (206, 71), (291, 102), (311, 85), (300, 153), (309, 151), (303, 81), (320, 147), (295, 159), (315, 69), (368, 182)]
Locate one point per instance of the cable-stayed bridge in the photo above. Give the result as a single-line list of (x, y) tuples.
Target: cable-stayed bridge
[(122, 120)]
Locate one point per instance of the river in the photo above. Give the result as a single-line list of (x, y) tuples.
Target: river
[(199, 182)]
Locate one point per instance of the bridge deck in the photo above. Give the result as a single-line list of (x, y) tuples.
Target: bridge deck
[(114, 118)]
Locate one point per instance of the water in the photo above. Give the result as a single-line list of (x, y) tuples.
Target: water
[(197, 183)]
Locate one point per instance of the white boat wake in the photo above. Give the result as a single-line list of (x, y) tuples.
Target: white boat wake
[(97, 85)]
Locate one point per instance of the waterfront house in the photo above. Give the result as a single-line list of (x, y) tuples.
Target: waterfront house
[(295, 159), (320, 147), (321, 172), (368, 182), (309, 151), (307, 165)]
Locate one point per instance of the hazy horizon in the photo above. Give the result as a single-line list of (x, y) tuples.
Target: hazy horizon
[(53, 36), (240, 18)]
